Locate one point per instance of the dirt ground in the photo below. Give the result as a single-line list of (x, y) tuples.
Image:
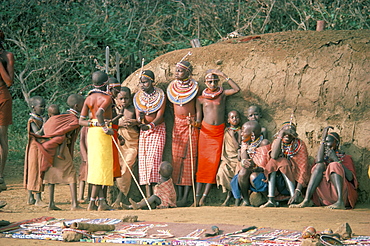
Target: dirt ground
[(279, 218)]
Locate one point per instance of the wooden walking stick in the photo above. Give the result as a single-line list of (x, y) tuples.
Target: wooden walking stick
[(133, 176), (192, 162)]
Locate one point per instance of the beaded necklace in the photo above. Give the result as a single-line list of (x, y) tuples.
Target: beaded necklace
[(208, 94), (149, 103), (338, 153), (181, 92), (36, 116), (74, 112), (97, 91), (251, 150), (234, 128), (289, 150)]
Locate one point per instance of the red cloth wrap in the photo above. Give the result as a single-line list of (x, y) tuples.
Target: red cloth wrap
[(54, 132), (5, 106), (209, 152), (326, 193), (296, 169)]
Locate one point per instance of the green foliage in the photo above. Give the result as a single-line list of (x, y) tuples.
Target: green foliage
[(59, 43)]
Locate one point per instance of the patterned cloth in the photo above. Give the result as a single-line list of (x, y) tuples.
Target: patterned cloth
[(100, 157), (209, 152), (229, 160), (5, 106), (32, 175), (181, 152), (129, 151), (151, 145), (166, 192), (326, 194), (295, 168)]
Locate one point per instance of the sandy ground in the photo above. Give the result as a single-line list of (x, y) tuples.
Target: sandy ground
[(279, 218)]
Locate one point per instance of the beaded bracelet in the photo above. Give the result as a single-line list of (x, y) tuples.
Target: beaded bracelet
[(152, 125), (105, 129)]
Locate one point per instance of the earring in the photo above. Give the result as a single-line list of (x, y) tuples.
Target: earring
[(253, 137)]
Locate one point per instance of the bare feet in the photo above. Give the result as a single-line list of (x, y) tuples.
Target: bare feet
[(2, 184), (246, 203), (53, 208), (104, 207), (181, 203), (92, 206), (31, 201), (116, 205), (269, 204), (77, 208), (337, 205), (201, 202), (133, 204), (40, 203), (305, 203), (126, 207)]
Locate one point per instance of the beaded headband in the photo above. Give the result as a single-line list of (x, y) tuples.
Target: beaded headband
[(115, 85), (147, 76), (97, 86), (182, 65), (335, 137), (212, 78)]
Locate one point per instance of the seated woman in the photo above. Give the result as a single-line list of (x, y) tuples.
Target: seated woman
[(333, 179)]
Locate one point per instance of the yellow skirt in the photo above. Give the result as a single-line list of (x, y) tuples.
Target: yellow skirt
[(100, 157)]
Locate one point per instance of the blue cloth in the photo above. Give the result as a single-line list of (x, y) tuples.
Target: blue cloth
[(235, 189), (260, 185)]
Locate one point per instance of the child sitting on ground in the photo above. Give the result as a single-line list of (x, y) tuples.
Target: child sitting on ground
[(164, 192)]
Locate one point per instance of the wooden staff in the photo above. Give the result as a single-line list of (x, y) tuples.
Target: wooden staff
[(107, 59), (118, 75), (192, 162), (133, 176)]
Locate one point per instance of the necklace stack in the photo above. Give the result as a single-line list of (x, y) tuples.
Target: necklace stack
[(254, 145), (181, 92), (290, 149), (36, 116), (208, 94), (149, 103), (97, 91), (74, 112)]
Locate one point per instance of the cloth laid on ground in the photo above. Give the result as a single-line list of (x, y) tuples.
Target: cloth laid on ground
[(151, 146), (182, 155), (209, 152), (160, 233)]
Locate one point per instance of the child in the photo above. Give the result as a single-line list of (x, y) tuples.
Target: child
[(229, 156), (255, 113), (53, 110), (254, 155), (164, 192), (211, 104), (32, 177), (129, 142), (62, 171)]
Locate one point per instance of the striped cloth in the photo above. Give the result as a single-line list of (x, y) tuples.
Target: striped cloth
[(181, 152), (151, 145)]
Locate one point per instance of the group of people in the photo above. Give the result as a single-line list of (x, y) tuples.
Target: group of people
[(117, 130)]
